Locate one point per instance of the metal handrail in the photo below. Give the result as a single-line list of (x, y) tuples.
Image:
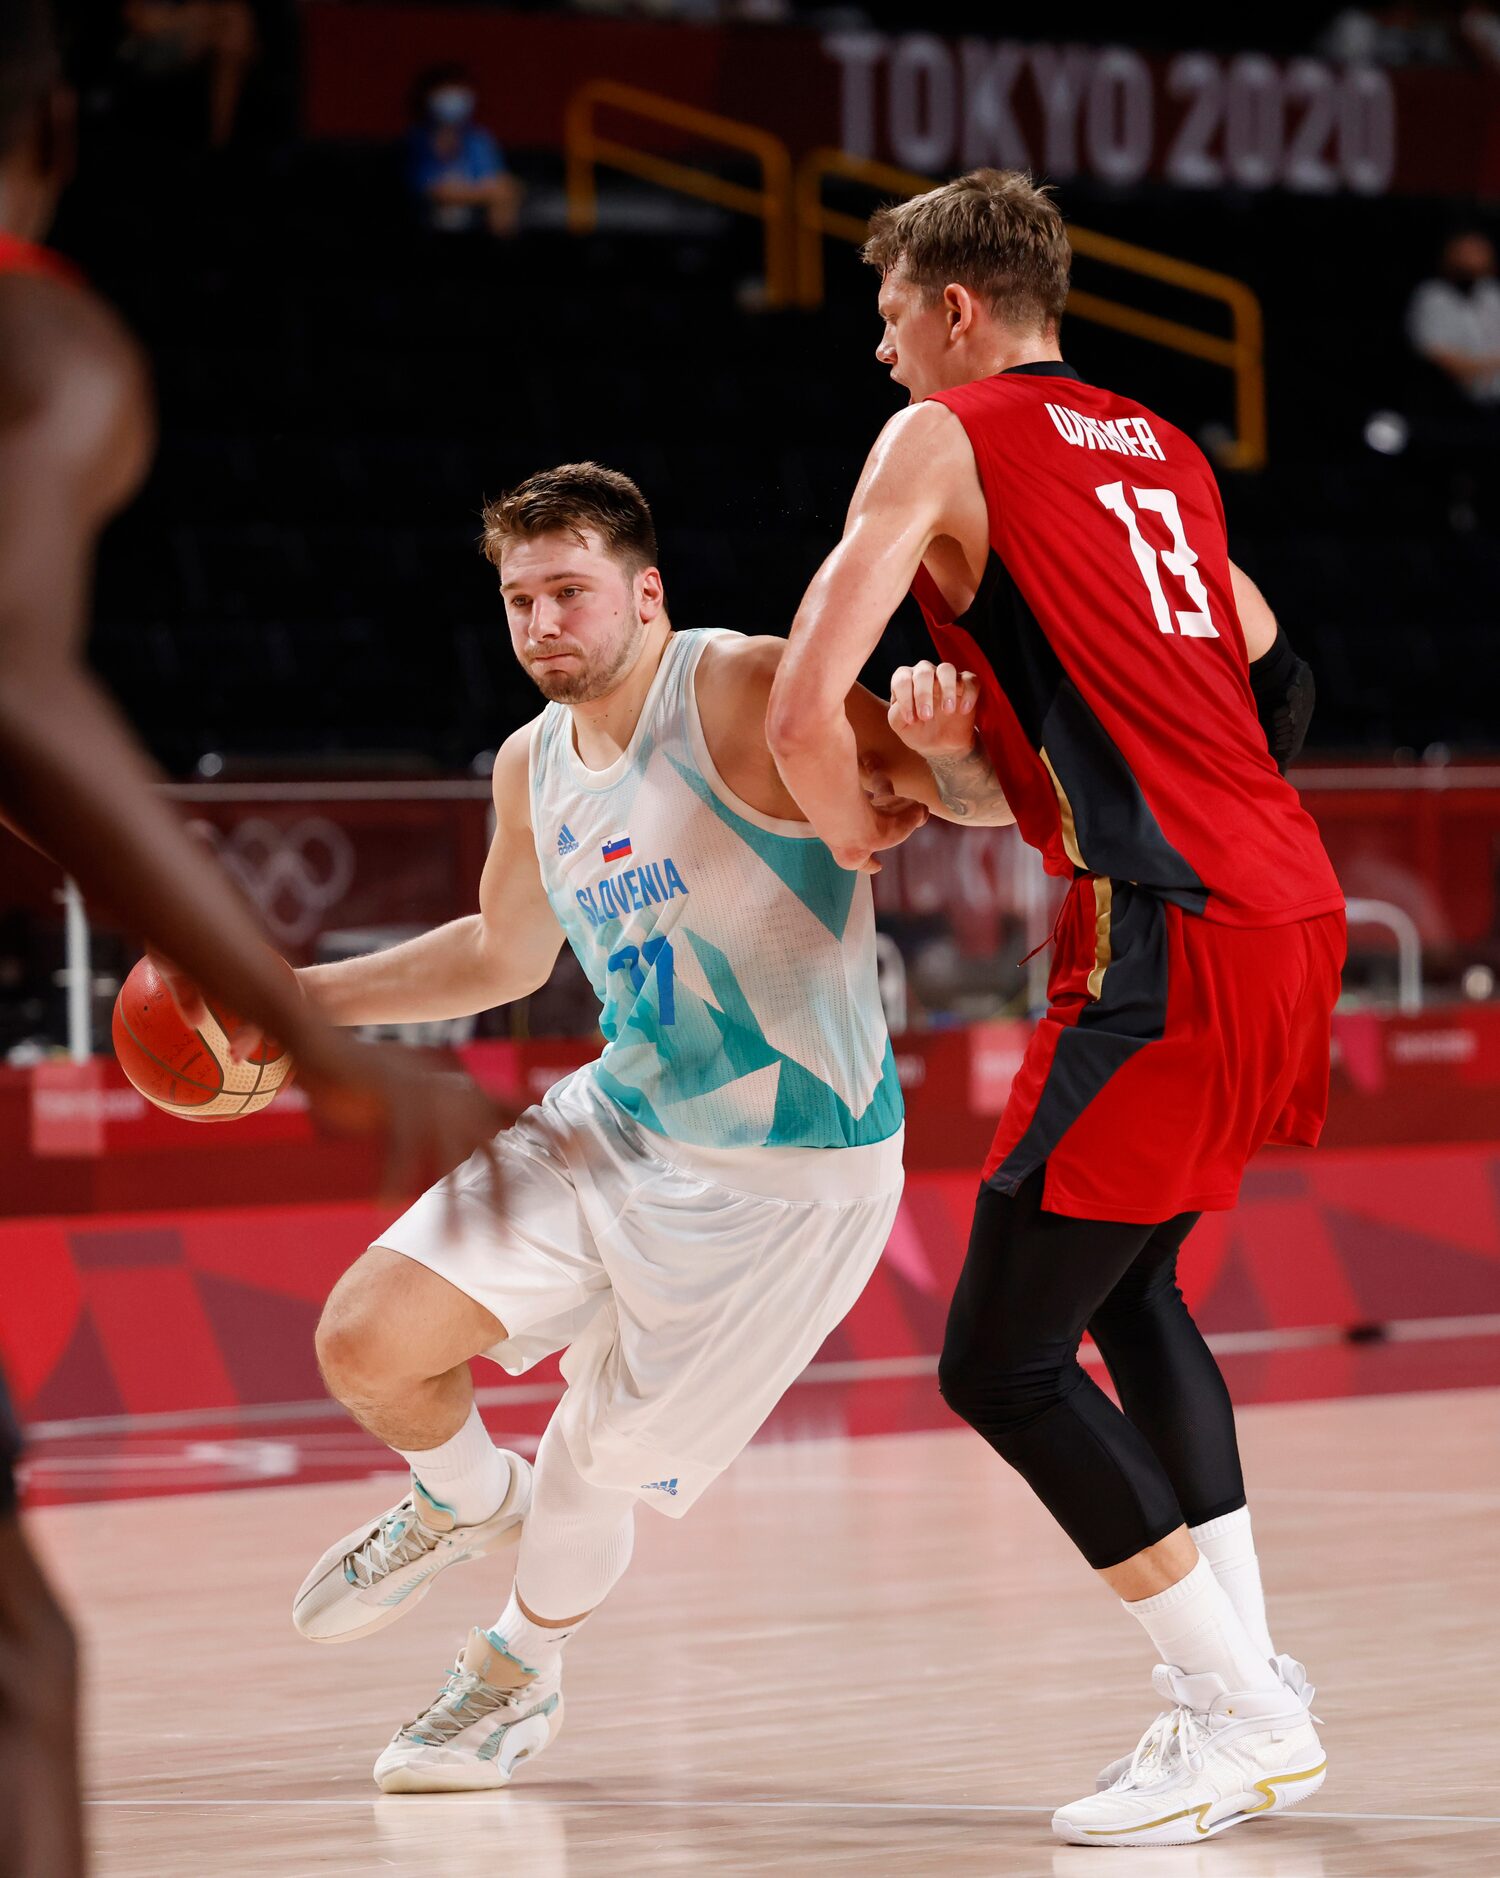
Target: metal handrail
[(1396, 920), (770, 204), (1242, 355)]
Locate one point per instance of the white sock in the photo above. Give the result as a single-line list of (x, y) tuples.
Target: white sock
[(1229, 1546), (536, 1645), (467, 1474), (575, 1548), (1194, 1628)]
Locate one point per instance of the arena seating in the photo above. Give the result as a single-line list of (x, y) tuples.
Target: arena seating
[(302, 570)]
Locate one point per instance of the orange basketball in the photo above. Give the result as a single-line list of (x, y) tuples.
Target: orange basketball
[(190, 1072)]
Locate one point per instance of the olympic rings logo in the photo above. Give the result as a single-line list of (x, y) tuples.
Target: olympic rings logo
[(293, 874)]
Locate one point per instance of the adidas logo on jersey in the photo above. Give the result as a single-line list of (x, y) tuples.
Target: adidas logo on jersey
[(1126, 436), (567, 841), (661, 1486)]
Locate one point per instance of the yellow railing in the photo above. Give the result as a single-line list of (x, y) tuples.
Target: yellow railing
[(771, 203), (1242, 354), (797, 221)]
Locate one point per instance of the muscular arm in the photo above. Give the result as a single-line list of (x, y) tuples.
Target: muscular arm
[(1281, 683), (910, 484), (924, 744), (1257, 621), (75, 436), (734, 683), (504, 951), (970, 789)]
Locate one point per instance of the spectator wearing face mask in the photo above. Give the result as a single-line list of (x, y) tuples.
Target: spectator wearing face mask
[(456, 169), (1453, 320)]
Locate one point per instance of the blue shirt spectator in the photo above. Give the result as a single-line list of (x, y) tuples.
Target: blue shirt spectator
[(455, 168)]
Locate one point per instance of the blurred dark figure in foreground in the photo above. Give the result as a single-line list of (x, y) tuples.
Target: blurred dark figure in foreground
[(77, 427), (455, 168), (166, 38)]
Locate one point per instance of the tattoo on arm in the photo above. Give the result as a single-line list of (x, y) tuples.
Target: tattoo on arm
[(969, 786)]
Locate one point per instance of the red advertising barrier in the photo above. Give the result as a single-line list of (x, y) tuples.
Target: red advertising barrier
[(78, 1139), (336, 868), (152, 1313), (1416, 838)]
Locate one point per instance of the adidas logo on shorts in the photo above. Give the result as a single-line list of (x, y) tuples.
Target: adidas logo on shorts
[(661, 1486)]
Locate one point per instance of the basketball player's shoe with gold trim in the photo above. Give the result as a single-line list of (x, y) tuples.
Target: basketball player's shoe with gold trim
[(378, 1573), (1293, 1678), (1216, 1757), (493, 1713)]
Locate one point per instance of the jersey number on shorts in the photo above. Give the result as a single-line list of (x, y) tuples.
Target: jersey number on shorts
[(1179, 559), (655, 952)]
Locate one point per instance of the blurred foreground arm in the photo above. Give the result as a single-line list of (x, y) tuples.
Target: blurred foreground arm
[(76, 430), (39, 1784)]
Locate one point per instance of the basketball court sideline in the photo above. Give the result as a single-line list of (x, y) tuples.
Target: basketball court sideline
[(860, 1656)]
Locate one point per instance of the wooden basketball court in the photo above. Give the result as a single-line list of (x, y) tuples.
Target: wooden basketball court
[(872, 1656)]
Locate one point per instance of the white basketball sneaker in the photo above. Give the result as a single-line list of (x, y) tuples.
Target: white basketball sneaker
[(494, 1712), (1293, 1678), (376, 1574), (1216, 1757)]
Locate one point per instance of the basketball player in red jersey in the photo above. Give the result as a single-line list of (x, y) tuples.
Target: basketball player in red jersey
[(76, 427), (1068, 547)]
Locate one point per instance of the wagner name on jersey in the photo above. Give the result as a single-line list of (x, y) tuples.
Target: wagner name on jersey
[(1115, 692)]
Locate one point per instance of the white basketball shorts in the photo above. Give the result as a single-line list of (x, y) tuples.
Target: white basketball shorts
[(689, 1287)]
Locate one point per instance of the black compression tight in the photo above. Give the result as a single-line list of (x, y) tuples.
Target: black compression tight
[(1031, 1284)]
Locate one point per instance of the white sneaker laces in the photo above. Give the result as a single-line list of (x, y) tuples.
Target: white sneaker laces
[(465, 1698), (399, 1539), (1176, 1735)]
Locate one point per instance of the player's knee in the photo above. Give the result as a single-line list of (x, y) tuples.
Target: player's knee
[(977, 1386), (358, 1336), (998, 1393), (389, 1321), (341, 1348)]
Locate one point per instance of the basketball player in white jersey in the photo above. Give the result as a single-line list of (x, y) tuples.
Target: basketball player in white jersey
[(689, 1216)]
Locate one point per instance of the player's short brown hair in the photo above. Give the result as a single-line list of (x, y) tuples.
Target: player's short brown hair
[(569, 500), (995, 232)]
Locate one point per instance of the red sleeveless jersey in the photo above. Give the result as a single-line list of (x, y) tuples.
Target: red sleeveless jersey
[(25, 257), (1115, 690)]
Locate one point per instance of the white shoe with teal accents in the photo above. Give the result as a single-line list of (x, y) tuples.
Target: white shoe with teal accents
[(494, 1712), (1215, 1758), (378, 1573)]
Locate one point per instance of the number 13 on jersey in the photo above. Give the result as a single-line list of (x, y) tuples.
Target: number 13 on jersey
[(1193, 622)]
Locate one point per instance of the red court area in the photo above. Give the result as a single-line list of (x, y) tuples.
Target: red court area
[(159, 1350)]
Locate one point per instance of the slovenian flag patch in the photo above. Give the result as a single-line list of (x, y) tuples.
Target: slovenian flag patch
[(616, 850)]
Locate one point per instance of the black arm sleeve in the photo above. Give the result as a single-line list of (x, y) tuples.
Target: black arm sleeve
[(1283, 688)]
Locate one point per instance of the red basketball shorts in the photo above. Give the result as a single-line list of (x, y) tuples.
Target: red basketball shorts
[(1173, 1047)]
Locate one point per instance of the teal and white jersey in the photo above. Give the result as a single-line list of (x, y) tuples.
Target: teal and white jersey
[(733, 957)]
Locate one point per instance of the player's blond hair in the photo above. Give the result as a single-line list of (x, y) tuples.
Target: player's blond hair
[(995, 232), (570, 500)]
